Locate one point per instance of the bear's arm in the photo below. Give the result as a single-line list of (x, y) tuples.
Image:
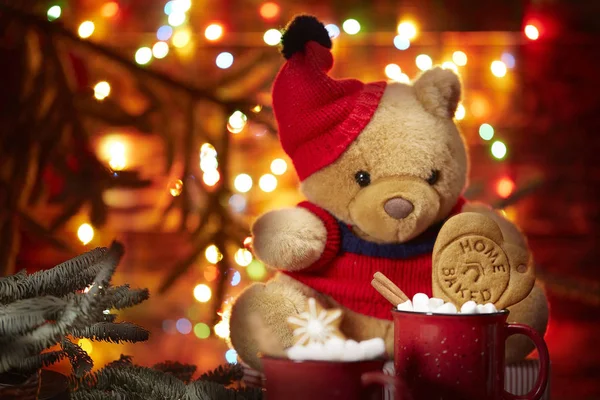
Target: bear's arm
[(293, 239)]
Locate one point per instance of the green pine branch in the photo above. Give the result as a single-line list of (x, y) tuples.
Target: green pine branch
[(120, 297), (23, 316), (113, 332), (183, 372), (224, 374), (38, 361), (80, 361)]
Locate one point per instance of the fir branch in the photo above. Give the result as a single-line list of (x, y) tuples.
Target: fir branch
[(25, 315), (113, 332), (95, 394), (206, 390), (140, 380), (224, 374), (38, 361), (80, 361), (124, 360), (123, 297), (183, 372)]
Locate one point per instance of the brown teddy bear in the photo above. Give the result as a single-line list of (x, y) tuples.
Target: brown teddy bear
[(383, 166)]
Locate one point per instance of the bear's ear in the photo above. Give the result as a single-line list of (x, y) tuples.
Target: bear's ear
[(439, 91)]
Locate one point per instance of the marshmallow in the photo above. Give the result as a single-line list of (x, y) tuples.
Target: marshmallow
[(447, 308), (434, 303), (470, 307), (336, 349), (420, 302), (488, 308), (372, 348), (352, 351), (406, 306)]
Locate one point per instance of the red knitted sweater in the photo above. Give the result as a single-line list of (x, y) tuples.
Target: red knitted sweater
[(347, 265)]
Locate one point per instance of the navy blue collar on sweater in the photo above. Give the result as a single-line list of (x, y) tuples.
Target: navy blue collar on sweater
[(422, 244)]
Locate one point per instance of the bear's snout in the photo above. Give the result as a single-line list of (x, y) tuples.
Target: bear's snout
[(398, 208)]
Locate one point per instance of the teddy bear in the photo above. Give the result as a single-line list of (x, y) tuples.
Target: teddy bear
[(382, 166)]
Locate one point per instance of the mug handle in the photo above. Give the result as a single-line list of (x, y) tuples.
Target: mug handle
[(397, 387), (542, 380)]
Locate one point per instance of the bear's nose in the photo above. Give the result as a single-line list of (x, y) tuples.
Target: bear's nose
[(398, 207)]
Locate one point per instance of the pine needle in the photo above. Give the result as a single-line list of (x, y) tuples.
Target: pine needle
[(113, 332), (80, 361)]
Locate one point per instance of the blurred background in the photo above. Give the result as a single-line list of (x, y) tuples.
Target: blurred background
[(149, 122)]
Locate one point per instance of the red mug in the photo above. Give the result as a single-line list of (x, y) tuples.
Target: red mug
[(327, 380), (459, 357)]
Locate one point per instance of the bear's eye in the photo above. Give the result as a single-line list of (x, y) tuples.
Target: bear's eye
[(362, 178), (434, 177)]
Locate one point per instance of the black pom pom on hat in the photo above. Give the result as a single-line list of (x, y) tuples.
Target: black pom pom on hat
[(301, 30)]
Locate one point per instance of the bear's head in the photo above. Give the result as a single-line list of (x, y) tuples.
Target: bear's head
[(386, 159)]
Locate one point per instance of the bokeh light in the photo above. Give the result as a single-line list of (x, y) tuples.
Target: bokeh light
[(85, 233), (109, 9), (532, 32), (213, 254), (450, 65), (392, 71), (181, 5), (269, 10), (231, 356), (272, 37), (164, 32), (256, 270), (407, 30), (160, 50), (267, 183), (460, 112), (237, 121), (101, 90), (86, 345), (208, 163), (498, 150), (498, 68), (333, 30), (211, 177), (508, 59), (486, 131), (86, 29), (143, 55), (236, 278), (242, 183), (213, 32), (278, 166), (224, 60), (505, 187), (183, 326), (243, 257), (238, 203), (351, 26), (115, 152), (401, 42), (168, 7), (181, 38), (202, 293), (201, 330), (222, 329), (176, 187), (423, 62), (210, 273), (459, 58), (176, 18), (54, 13)]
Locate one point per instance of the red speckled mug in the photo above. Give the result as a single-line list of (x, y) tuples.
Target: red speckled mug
[(459, 357), (328, 380)]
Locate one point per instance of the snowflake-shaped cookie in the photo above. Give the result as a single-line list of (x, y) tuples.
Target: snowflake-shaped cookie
[(316, 325)]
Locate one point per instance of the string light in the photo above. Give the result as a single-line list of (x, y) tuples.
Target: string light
[(181, 5), (224, 60), (236, 278), (333, 30), (392, 70), (486, 131), (242, 183), (181, 38), (450, 65), (211, 177), (272, 37), (109, 9), (86, 29), (143, 55), (532, 32), (237, 121), (208, 163), (498, 68), (164, 32), (201, 330), (401, 42), (238, 203), (278, 166), (460, 112), (256, 270), (207, 150), (168, 7), (213, 32), (269, 10), (53, 13), (101, 90), (85, 233), (176, 188), (257, 108), (505, 187), (243, 257), (508, 59), (423, 62), (459, 58), (222, 329), (202, 293), (183, 326), (351, 26), (176, 18), (267, 183), (210, 273), (231, 356), (498, 150), (160, 50), (407, 30), (86, 345), (213, 254)]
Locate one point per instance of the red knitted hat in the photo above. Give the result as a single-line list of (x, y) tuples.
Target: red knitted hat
[(318, 117)]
